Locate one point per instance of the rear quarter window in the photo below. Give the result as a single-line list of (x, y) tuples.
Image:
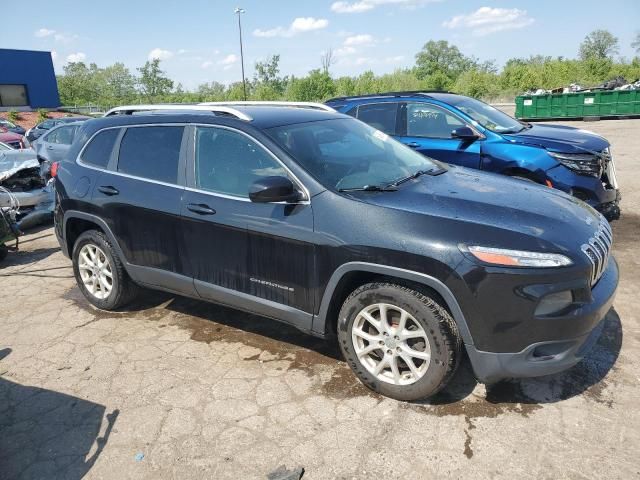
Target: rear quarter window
[(151, 152), (98, 151)]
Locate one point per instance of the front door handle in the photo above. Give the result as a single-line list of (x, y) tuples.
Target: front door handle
[(49, 147), (108, 190), (413, 144), (200, 209)]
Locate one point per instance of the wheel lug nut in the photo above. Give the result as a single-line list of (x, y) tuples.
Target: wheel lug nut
[(389, 352), (397, 337), (381, 342), (398, 349)]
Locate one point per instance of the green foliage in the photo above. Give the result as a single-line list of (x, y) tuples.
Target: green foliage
[(42, 115), (13, 116), (636, 43), (439, 66), (153, 81), (599, 44)]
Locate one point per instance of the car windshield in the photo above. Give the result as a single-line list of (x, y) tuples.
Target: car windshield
[(487, 116), (7, 124), (347, 154), (4, 146)]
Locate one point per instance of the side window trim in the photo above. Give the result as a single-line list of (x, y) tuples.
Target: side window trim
[(191, 184), (84, 147), (112, 165)]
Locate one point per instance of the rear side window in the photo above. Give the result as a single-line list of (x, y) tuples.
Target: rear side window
[(98, 151), (151, 152), (381, 116)]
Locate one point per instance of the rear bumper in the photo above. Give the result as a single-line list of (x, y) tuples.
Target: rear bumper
[(551, 356)]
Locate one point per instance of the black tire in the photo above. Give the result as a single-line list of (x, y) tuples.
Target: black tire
[(442, 332), (123, 288), (4, 250)]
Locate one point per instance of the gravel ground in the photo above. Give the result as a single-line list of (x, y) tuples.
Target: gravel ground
[(175, 388)]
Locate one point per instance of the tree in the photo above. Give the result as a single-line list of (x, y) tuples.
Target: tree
[(79, 84), (440, 64), (326, 60), (153, 81), (314, 87), (117, 84), (636, 44), (599, 44), (267, 80)]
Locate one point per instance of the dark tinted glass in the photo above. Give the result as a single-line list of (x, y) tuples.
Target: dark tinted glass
[(151, 152), (99, 149), (381, 116)]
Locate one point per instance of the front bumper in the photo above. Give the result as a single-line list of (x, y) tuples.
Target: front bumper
[(551, 356)]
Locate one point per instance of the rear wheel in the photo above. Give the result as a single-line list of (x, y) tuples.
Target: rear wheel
[(99, 272), (399, 342)]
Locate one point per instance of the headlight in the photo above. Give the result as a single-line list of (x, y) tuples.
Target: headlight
[(519, 258), (583, 163)]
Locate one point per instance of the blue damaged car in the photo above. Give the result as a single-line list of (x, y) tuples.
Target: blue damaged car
[(467, 132)]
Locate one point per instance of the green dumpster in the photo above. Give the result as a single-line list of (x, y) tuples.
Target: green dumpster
[(600, 103)]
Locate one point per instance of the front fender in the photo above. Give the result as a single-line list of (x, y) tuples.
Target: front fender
[(320, 319), (502, 156)]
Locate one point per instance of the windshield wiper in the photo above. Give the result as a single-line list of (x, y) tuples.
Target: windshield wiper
[(415, 175), (369, 188)]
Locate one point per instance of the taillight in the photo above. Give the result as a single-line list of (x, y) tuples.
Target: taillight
[(54, 169)]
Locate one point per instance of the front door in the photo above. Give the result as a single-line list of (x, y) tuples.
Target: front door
[(248, 255), (427, 128)]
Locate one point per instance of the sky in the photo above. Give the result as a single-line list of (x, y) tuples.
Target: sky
[(197, 40)]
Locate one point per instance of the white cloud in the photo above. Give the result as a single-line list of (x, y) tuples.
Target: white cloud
[(182, 51), (65, 37), (487, 20), (229, 60), (363, 40), (299, 25), (366, 5), (344, 51), (76, 57), (206, 64), (43, 32), (160, 54), (54, 55)]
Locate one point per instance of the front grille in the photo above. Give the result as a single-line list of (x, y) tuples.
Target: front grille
[(597, 250)]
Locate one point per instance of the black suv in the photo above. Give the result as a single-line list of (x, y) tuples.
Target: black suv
[(318, 220)]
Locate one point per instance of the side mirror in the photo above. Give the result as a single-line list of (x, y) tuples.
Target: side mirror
[(464, 133), (273, 189)]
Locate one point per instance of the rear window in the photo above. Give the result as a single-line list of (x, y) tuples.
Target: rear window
[(151, 152), (98, 151), (381, 116)]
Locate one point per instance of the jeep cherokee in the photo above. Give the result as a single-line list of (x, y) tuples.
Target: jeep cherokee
[(313, 218)]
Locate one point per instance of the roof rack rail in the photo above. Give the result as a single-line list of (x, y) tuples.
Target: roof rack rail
[(260, 103), (131, 109), (389, 94)]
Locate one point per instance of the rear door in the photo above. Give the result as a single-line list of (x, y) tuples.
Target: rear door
[(255, 256), (54, 145), (140, 196), (427, 128)]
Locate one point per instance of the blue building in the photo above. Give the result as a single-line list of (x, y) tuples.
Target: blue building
[(27, 80)]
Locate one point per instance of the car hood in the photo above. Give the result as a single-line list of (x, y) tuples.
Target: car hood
[(559, 138), (9, 137), (491, 201)]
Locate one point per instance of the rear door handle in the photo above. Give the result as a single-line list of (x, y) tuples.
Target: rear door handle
[(49, 147), (413, 144), (108, 190), (201, 209)]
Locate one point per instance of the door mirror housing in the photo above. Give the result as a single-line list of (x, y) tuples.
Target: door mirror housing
[(464, 133), (273, 189)]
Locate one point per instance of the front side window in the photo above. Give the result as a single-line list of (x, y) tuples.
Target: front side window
[(228, 162), (151, 152), (345, 154), (429, 121), (381, 116), (98, 151)]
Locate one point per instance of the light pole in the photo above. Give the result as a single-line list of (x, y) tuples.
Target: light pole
[(239, 11)]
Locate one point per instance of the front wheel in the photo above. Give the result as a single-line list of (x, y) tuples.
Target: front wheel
[(99, 272), (399, 342)]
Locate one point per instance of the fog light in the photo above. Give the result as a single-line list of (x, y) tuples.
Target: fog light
[(554, 302)]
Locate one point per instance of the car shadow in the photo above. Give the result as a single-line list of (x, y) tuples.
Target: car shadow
[(47, 434), (587, 377), (25, 257)]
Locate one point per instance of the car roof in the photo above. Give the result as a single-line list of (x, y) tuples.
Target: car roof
[(260, 116), (421, 94)]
